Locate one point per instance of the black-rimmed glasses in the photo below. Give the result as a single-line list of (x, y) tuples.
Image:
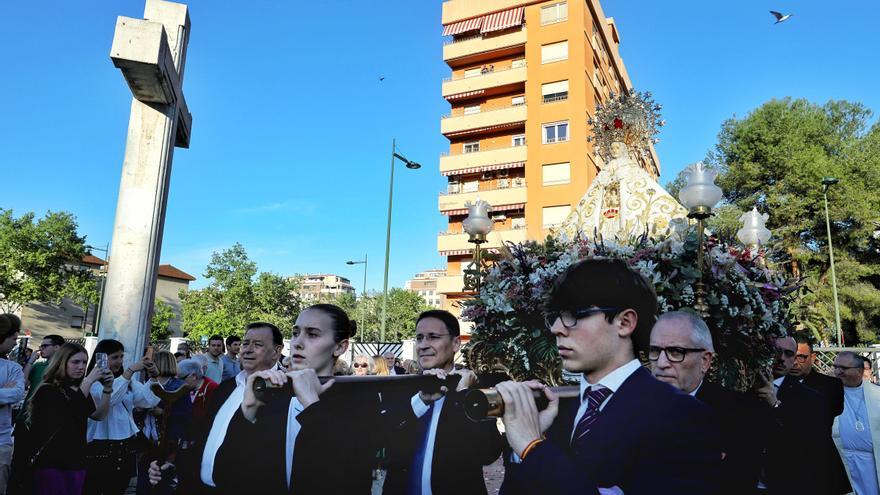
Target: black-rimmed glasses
[(569, 318), (674, 354), (844, 368)]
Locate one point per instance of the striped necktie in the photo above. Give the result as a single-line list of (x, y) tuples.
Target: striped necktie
[(594, 398)]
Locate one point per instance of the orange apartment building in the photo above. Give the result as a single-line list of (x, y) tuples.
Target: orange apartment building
[(525, 79)]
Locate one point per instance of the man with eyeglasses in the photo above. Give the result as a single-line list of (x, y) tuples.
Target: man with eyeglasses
[(856, 432), (37, 364), (435, 449), (831, 390), (628, 433), (680, 354)]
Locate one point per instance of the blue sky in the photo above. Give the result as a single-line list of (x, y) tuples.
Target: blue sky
[(292, 128)]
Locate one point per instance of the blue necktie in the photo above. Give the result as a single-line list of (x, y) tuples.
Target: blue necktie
[(418, 464), (594, 398)]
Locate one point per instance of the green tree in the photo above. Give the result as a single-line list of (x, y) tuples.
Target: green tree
[(775, 159), (163, 313), (40, 260), (237, 295), (403, 310)]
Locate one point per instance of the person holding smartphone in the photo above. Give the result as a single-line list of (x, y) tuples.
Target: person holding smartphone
[(115, 441), (59, 410)]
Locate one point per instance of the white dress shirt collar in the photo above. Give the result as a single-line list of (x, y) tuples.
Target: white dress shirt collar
[(613, 380)]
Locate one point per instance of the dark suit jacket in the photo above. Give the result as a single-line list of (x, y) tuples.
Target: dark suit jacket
[(794, 447), (649, 439), (736, 416), (399, 370), (831, 390), (461, 449)]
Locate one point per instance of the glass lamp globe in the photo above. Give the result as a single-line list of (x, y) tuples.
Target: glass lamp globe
[(478, 224), (754, 231), (700, 194)]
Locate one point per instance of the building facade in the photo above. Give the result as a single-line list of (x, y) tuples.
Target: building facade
[(314, 286), (72, 321), (425, 285), (525, 80)]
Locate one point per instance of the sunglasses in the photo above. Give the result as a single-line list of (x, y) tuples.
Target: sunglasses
[(360, 365)]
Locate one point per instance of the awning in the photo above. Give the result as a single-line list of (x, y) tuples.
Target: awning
[(466, 94), (497, 127), (484, 168), (463, 211), (502, 20), (462, 26)]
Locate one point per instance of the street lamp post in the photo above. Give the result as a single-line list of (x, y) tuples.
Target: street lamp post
[(477, 225), (364, 291), (699, 196), (412, 166), (826, 183)]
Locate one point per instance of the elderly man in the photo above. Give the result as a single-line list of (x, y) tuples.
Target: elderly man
[(680, 354), (391, 361), (856, 432)]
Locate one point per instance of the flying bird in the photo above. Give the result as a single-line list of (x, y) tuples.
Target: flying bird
[(780, 17), (381, 78)]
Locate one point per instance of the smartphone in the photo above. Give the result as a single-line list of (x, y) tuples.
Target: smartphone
[(101, 360)]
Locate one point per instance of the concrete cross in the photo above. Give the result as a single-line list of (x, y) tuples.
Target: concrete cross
[(151, 54)]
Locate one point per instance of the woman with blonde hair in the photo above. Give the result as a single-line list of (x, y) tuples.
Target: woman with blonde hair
[(380, 366), (59, 410)]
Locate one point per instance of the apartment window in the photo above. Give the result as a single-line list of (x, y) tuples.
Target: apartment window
[(519, 140), (472, 147), (555, 91), (557, 12), (472, 109), (472, 72), (518, 100), (471, 186), (516, 64), (554, 215), (77, 322), (556, 173), (556, 132), (554, 52)]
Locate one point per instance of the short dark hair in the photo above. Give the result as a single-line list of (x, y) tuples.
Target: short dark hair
[(607, 283), (107, 346), (55, 339), (215, 337), (343, 326), (803, 338), (448, 319), (232, 339), (9, 324), (277, 338)]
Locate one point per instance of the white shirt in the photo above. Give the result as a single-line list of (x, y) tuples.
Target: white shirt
[(119, 423), (10, 372), (693, 393), (293, 428), (612, 381), (419, 408), (218, 429)]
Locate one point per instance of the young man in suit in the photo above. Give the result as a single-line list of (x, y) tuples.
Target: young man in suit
[(831, 390), (629, 433), (680, 354), (227, 444), (435, 449)]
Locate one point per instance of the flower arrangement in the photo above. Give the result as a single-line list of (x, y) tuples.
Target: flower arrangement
[(748, 303)]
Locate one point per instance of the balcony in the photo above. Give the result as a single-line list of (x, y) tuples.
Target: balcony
[(457, 242), (459, 10), (462, 161), (480, 120), (506, 196), (496, 78), (479, 44)]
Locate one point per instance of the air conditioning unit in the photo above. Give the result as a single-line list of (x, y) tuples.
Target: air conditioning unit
[(453, 188), (501, 217), (503, 183)]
